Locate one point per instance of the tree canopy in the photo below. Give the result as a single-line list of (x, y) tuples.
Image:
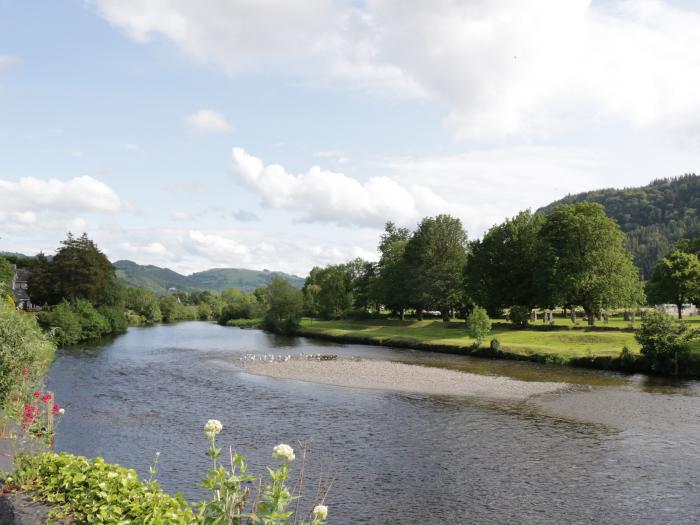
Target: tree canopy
[(676, 280)]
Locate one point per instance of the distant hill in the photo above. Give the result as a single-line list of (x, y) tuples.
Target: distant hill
[(161, 279), (654, 217)]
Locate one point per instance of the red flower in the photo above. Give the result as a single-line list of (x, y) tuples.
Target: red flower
[(37, 393), (56, 409), (48, 396), (25, 371)]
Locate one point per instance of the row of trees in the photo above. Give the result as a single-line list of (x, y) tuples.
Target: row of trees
[(574, 256)]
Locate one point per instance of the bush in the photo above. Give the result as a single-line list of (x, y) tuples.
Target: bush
[(64, 323), (520, 316), (495, 345), (115, 316), (664, 340), (627, 359), (74, 323), (95, 491), (478, 324), (22, 344)]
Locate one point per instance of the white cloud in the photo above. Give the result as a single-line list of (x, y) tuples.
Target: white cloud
[(206, 121), (181, 216), (218, 248), (327, 196), (151, 248), (80, 193), (514, 67)]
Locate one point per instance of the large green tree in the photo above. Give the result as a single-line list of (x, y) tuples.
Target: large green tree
[(505, 267), (79, 270), (284, 306), (675, 280), (42, 284), (390, 288), (334, 298), (435, 256), (588, 264)]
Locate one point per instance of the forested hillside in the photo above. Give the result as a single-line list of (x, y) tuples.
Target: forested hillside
[(161, 279), (654, 217)]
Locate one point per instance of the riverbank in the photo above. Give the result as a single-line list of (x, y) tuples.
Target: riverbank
[(401, 377), (597, 348)]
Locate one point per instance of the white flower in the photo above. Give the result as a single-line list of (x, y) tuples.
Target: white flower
[(213, 428), (283, 451), (320, 512), (62, 411)]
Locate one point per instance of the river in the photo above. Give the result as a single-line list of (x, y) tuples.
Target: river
[(609, 449)]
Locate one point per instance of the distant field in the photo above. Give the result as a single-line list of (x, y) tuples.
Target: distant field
[(562, 343)]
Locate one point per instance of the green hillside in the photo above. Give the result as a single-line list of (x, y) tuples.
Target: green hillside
[(654, 217), (161, 279)]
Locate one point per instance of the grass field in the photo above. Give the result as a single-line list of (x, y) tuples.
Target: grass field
[(561, 342)]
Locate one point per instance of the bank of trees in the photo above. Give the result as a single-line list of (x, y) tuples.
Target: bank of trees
[(574, 256)]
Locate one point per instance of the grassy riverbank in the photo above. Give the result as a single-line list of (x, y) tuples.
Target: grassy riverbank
[(597, 347)]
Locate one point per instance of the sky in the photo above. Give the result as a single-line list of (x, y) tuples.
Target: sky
[(280, 135)]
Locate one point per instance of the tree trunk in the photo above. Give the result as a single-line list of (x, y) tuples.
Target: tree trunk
[(680, 310), (420, 313), (591, 317), (445, 315), (403, 314)]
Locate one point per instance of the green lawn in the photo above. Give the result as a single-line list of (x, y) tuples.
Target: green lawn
[(563, 343)]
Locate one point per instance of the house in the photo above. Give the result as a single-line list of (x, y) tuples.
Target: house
[(20, 285), (671, 309)]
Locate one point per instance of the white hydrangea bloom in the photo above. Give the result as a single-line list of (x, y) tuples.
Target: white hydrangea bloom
[(283, 451), (320, 512), (213, 428)]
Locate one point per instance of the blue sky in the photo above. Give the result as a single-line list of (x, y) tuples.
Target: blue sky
[(120, 118)]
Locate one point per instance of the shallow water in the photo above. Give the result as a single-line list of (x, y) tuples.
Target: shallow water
[(613, 449)]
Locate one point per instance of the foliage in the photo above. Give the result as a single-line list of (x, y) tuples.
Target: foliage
[(239, 305), (391, 288), (22, 344), (505, 267), (495, 345), (93, 491), (334, 298), (478, 324), (519, 315), (284, 307), (173, 310), (42, 289), (653, 217), (664, 340), (7, 273), (73, 323), (116, 318), (676, 280), (588, 263), (435, 256), (145, 303)]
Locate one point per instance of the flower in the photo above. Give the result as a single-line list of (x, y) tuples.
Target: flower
[(56, 409), (62, 411), (37, 393), (25, 371), (320, 512), (48, 396), (213, 428), (283, 451)]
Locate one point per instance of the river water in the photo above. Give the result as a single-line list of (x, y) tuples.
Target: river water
[(610, 449)]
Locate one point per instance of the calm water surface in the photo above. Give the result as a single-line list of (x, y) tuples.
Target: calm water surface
[(612, 450)]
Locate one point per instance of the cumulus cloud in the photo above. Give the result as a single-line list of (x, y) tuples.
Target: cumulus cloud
[(327, 196), (151, 248), (515, 67), (244, 216), (77, 194), (206, 121)]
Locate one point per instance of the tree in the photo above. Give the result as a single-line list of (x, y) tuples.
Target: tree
[(390, 287), (676, 280), (335, 295), (435, 255), (41, 282), (284, 306), (478, 324), (588, 264), (664, 339), (504, 269), (79, 270)]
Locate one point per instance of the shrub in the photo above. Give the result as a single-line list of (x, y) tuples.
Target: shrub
[(22, 344), (478, 324), (495, 345), (664, 340), (64, 323), (115, 316), (519, 315), (627, 359)]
